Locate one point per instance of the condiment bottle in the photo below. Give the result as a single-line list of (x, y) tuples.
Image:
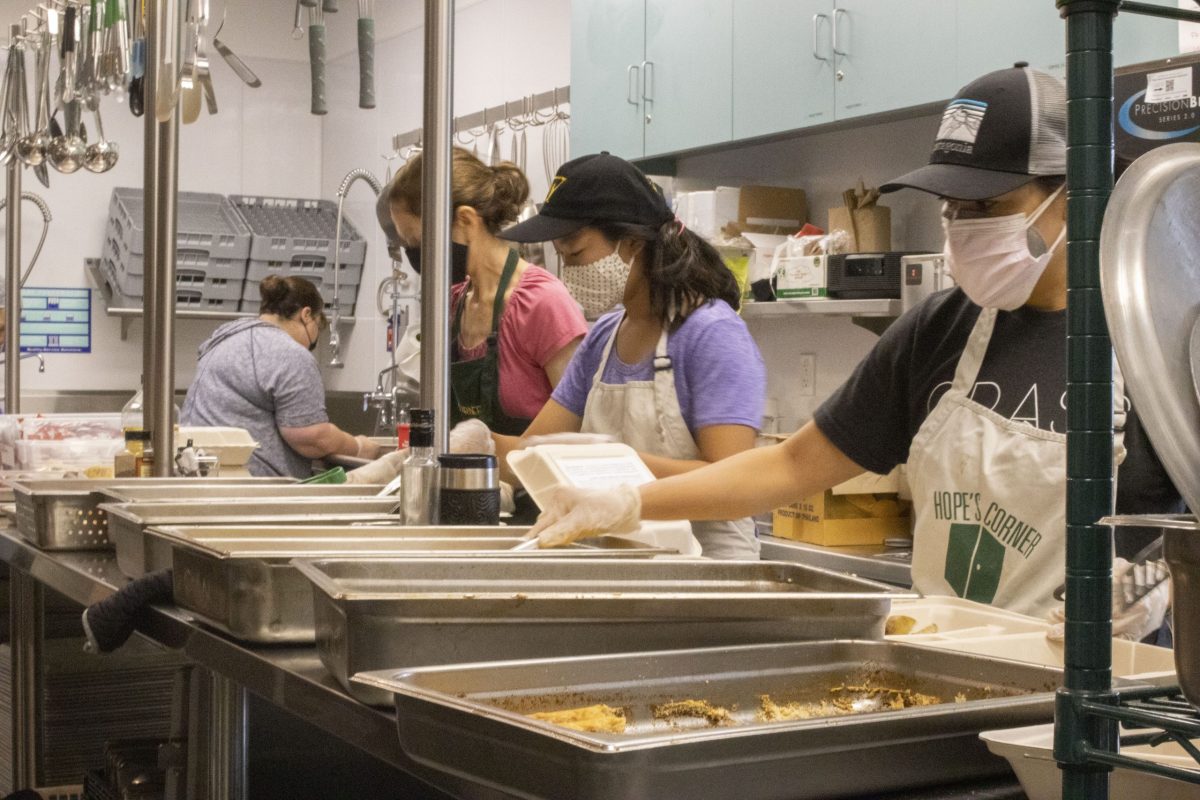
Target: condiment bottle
[(419, 491), (125, 463)]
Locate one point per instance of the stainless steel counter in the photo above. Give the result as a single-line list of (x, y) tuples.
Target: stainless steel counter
[(291, 678), (875, 562)]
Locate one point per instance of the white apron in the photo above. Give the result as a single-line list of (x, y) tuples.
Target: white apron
[(989, 498), (646, 416)]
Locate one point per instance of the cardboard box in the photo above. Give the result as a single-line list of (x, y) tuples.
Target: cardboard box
[(764, 251), (769, 209), (707, 212), (870, 231), (835, 520), (800, 277)]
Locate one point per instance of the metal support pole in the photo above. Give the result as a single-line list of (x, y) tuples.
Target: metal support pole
[(1089, 391), (12, 291), (227, 740), (436, 214), (26, 598), (162, 173), (150, 209)]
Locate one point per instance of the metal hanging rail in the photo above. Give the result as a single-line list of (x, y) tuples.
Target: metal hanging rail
[(531, 104), (1088, 712)]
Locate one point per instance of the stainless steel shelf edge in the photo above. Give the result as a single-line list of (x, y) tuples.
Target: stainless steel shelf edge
[(832, 307)]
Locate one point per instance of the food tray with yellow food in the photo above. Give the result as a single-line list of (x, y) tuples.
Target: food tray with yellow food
[(755, 722)]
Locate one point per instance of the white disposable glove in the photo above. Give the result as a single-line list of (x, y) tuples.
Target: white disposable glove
[(366, 448), (570, 513), (567, 438), (381, 470), (508, 503), (1134, 622), (471, 436)]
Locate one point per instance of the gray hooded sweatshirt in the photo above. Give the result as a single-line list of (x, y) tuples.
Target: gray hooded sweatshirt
[(253, 375)]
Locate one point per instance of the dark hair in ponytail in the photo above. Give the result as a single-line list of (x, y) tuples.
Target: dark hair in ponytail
[(285, 296), (683, 270)]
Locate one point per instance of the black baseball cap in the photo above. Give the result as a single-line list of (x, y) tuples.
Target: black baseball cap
[(595, 188), (1000, 132)]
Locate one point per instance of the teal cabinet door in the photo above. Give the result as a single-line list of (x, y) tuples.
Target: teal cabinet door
[(995, 35), (891, 55), (1138, 38), (782, 65), (608, 45), (687, 80)]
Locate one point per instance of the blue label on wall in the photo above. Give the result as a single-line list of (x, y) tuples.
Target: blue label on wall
[(56, 320)]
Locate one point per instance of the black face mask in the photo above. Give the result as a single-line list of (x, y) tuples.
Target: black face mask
[(458, 261)]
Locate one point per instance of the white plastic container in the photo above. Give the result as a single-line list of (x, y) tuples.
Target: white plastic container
[(1030, 751), (956, 618), (597, 466), (232, 446)]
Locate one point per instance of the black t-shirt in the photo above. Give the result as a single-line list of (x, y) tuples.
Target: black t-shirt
[(874, 416)]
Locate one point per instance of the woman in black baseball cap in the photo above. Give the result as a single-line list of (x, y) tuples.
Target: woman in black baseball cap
[(673, 371)]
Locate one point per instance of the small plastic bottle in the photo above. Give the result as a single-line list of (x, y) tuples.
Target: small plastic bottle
[(419, 491), (403, 429), (145, 463), (125, 463)]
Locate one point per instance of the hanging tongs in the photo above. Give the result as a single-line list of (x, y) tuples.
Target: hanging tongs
[(137, 61)]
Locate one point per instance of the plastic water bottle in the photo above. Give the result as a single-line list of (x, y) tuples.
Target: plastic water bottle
[(419, 491)]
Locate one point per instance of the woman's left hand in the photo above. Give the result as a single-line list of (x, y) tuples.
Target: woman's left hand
[(366, 448)]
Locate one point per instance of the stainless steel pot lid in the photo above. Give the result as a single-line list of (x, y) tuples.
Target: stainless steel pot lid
[(1150, 280)]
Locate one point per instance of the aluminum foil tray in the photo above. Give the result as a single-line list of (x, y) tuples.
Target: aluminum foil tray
[(374, 614), (241, 579), (58, 514), (469, 720), (138, 553)]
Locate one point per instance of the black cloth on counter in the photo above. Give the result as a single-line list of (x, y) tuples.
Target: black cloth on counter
[(109, 623), (876, 413)]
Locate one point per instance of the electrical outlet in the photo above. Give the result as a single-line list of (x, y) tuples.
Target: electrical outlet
[(806, 367)]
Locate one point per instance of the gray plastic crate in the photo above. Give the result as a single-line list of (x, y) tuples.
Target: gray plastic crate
[(319, 271), (251, 299), (218, 281), (185, 298), (285, 230), (208, 227)]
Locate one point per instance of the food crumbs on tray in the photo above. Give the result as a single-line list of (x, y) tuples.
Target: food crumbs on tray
[(960, 698), (902, 625), (590, 719), (845, 700), (714, 715)]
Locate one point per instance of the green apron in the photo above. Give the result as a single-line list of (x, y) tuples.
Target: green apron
[(475, 384)]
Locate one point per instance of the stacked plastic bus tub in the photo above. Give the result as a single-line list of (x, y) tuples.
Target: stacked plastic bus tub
[(297, 237), (212, 248)]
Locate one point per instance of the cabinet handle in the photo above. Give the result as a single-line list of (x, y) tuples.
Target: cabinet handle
[(837, 13), (648, 81), (816, 26), (631, 84)]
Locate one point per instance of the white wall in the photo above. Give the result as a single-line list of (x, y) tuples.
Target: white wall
[(265, 141), (824, 165)]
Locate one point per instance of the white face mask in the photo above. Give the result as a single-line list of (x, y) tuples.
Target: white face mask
[(990, 259), (600, 285)]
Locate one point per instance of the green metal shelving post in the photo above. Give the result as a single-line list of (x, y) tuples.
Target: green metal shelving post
[(1089, 402)]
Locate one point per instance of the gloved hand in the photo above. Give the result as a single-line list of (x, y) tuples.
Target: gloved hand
[(1133, 622), (571, 513), (567, 438), (366, 448), (381, 470), (471, 436)]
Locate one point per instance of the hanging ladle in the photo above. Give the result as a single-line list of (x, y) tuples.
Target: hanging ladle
[(101, 155), (31, 148), (67, 152)]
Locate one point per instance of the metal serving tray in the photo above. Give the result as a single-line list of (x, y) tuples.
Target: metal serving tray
[(241, 579), (140, 493), (374, 614), (138, 553), (57, 514), (469, 720)]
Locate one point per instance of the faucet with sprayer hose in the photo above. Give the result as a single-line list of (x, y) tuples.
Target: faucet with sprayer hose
[(335, 339)]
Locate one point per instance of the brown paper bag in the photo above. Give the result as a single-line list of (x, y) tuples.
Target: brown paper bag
[(869, 229)]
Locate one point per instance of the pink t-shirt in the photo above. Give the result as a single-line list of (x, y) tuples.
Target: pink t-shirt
[(540, 318)]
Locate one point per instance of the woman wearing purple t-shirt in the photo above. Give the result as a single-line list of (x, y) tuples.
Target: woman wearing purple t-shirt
[(673, 372)]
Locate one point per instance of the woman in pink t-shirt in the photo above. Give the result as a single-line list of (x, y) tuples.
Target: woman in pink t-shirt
[(515, 326)]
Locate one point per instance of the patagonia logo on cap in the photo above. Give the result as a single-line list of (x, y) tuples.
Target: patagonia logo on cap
[(960, 125), (558, 181)]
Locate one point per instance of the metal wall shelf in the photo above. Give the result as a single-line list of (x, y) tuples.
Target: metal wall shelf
[(128, 314), (843, 308)]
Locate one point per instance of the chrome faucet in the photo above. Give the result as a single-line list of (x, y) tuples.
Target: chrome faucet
[(335, 338)]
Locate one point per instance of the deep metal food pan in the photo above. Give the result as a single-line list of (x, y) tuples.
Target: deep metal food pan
[(138, 553), (470, 721), (241, 579), (57, 514), (198, 491), (374, 614)]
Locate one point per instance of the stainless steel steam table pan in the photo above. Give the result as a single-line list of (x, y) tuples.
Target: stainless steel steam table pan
[(58, 514), (241, 579), (470, 720), (377, 614), (138, 553), (199, 492)]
